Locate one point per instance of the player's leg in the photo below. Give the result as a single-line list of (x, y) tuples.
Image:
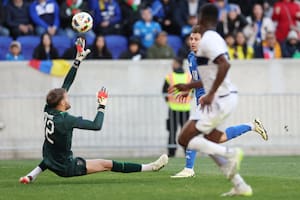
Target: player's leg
[(31, 176), (100, 165), (172, 127), (187, 133)]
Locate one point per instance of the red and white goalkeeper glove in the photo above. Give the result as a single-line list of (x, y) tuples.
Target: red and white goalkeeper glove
[(81, 51), (102, 98)]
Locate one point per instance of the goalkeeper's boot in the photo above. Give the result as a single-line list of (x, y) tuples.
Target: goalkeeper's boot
[(160, 162), (233, 163), (185, 173), (240, 190), (25, 179), (259, 128)]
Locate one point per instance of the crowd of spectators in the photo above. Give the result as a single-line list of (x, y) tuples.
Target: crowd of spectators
[(251, 28)]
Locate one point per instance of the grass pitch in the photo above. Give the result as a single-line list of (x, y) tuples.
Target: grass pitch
[(270, 177)]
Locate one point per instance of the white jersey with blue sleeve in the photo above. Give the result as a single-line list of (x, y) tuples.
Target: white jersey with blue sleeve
[(211, 46), (192, 60)]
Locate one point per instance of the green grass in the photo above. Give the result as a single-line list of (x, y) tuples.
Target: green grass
[(271, 178)]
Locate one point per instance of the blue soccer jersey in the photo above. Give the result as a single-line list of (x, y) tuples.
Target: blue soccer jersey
[(192, 59)]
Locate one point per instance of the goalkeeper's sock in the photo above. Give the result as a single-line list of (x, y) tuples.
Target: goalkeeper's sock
[(126, 167), (235, 131), (190, 156), (34, 173)]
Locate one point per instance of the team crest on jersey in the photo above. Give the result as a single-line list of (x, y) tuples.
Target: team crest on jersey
[(195, 75)]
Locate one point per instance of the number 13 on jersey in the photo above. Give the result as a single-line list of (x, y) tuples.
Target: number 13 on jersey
[(49, 127)]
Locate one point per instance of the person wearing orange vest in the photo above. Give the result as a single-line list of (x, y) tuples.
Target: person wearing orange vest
[(179, 112)]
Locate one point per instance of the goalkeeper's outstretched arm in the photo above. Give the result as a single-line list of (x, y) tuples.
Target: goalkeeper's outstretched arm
[(98, 121), (81, 54)]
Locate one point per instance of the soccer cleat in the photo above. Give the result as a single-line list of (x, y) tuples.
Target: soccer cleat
[(25, 179), (160, 162), (185, 173), (259, 128), (240, 190), (233, 165)]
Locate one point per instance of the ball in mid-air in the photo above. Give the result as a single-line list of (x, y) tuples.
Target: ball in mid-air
[(82, 22)]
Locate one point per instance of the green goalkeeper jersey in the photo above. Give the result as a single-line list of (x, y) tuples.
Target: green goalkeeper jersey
[(59, 131)]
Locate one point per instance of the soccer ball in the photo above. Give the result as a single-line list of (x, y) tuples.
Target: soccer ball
[(82, 22)]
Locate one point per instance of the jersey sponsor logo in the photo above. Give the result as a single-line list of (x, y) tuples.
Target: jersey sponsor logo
[(49, 127)]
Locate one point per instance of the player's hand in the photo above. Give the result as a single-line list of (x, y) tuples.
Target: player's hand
[(178, 87), (102, 97), (206, 101), (80, 47), (182, 97)]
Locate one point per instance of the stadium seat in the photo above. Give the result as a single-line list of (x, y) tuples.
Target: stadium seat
[(61, 43), (116, 44), (4, 46), (28, 45), (174, 42)]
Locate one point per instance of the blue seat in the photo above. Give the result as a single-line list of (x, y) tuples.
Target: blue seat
[(116, 44), (174, 42), (61, 43), (4, 46), (28, 44)]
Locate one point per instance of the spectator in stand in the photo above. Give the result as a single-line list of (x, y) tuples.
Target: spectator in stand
[(234, 22), (258, 26), (246, 5), (68, 9), (3, 30), (146, 29), (185, 49), (107, 16), (163, 13), (186, 8), (131, 14), (285, 13), (291, 47), (241, 49), (268, 8), (186, 29), (99, 49), (45, 50), (18, 18), (134, 51), (223, 7), (269, 49), (160, 49), (14, 53), (45, 15), (230, 42)]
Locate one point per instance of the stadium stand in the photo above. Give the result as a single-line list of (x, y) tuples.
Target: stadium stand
[(116, 44), (4, 45), (175, 42), (28, 45), (61, 43)]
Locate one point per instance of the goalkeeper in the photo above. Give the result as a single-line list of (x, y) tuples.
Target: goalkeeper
[(59, 125)]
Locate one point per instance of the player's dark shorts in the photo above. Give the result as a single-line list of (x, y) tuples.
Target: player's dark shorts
[(72, 167)]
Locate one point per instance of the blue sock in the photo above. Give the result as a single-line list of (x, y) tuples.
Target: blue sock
[(234, 131), (190, 156)]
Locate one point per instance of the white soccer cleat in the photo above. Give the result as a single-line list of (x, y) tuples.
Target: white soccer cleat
[(160, 162), (240, 190), (233, 163), (25, 179), (259, 128), (185, 173)]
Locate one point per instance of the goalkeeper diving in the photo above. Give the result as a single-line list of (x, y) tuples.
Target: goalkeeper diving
[(59, 124)]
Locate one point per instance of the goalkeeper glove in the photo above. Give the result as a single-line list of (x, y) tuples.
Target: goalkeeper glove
[(81, 52), (102, 99)]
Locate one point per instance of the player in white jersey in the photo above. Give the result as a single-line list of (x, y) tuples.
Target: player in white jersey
[(218, 102)]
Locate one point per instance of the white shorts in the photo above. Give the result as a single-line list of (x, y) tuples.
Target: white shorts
[(221, 108)]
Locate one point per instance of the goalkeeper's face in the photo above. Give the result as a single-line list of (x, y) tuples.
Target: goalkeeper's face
[(65, 102)]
